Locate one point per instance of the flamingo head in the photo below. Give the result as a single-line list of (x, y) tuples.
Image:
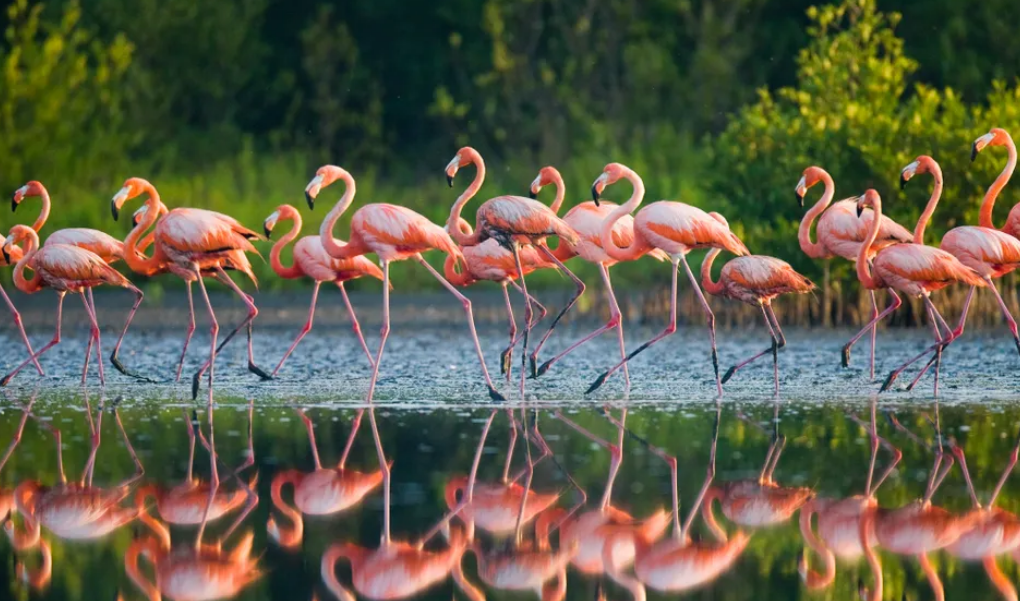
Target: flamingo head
[(281, 212), (17, 234), (545, 177), (922, 164), (811, 176), (132, 188), (32, 188), (324, 176), (464, 157), (995, 137), (869, 199), (610, 175)]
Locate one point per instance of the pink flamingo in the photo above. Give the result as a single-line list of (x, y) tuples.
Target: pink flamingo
[(192, 244), (989, 252), (998, 137), (586, 219), (64, 269), (996, 531), (675, 228), (840, 234), (324, 491), (106, 246), (186, 573), (491, 262), (311, 260), (755, 280), (913, 269), (512, 221), (393, 233)]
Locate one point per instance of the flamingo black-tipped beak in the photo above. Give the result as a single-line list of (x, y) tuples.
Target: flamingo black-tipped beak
[(449, 180), (800, 198), (860, 211), (310, 199), (532, 195), (14, 203), (903, 181), (595, 193), (7, 255), (974, 150), (115, 210), (269, 232)]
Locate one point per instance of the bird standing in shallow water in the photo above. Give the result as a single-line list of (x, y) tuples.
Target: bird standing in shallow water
[(393, 233), (755, 280), (311, 260), (676, 229)]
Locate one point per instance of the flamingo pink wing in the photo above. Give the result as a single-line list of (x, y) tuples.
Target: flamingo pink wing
[(75, 266), (201, 231), (101, 243)]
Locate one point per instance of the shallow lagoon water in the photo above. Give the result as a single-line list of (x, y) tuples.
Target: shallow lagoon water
[(431, 411)]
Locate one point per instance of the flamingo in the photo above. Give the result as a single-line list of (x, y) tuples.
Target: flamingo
[(757, 503), (106, 246), (311, 260), (512, 221), (755, 280), (393, 233), (64, 269), (192, 244), (998, 137), (989, 252), (321, 492), (185, 573), (589, 531), (396, 569), (913, 269), (995, 532), (840, 233), (675, 228), (489, 261), (677, 563), (76, 510), (194, 501), (839, 520), (586, 219)]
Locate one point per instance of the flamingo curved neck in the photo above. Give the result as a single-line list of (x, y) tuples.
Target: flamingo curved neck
[(863, 265), (157, 527), (929, 210), (638, 247), (132, 255), (816, 250), (457, 278), (134, 552), (44, 212), (813, 579), (452, 222), (287, 537), (33, 284), (561, 193), (293, 271), (715, 288), (985, 216), (328, 568), (333, 248), (865, 532)]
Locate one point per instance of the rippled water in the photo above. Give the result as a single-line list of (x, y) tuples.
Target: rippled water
[(822, 452)]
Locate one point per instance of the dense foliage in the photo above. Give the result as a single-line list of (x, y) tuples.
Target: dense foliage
[(233, 103)]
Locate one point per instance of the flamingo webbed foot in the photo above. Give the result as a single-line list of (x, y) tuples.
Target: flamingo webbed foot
[(846, 356), (889, 381), (196, 382), (542, 369), (729, 374), (6, 380), (506, 360), (258, 371), (599, 381), (496, 396), (532, 360), (116, 362)]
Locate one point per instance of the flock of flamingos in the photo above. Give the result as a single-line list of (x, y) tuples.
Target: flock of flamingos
[(508, 241), (534, 539)]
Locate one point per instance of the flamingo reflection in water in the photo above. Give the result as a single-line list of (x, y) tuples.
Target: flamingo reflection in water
[(396, 569), (324, 491), (194, 501), (590, 530), (198, 571), (760, 502), (994, 532), (918, 528), (839, 520), (518, 564), (677, 563)]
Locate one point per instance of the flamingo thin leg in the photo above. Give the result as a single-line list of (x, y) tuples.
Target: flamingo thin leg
[(471, 325), (527, 312), (542, 312), (960, 326), (710, 316), (937, 347), (115, 355), (615, 321), (311, 437), (670, 329), (55, 341), (384, 333), (214, 330), (355, 326), (355, 426), (873, 324), (506, 357), (304, 329), (93, 336), (772, 349), (189, 333), (874, 335), (384, 467), (21, 330), (578, 291)]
